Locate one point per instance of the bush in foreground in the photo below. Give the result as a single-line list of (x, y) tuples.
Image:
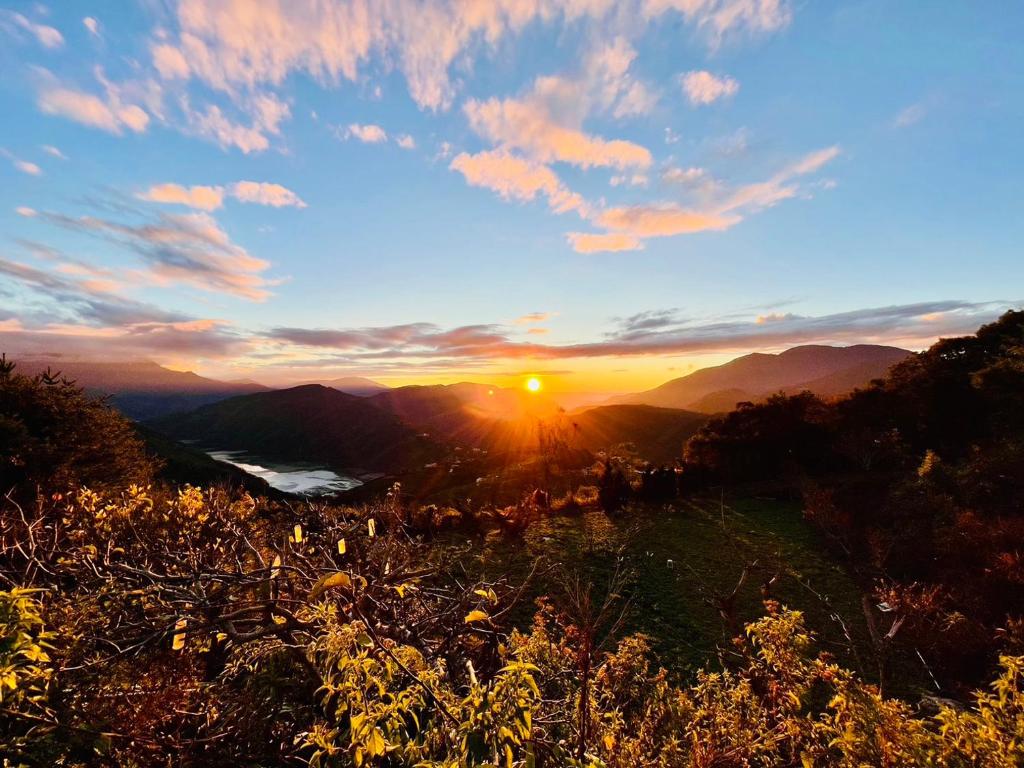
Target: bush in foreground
[(202, 628)]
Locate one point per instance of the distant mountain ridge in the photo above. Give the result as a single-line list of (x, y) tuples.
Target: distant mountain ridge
[(353, 385), (826, 371), (142, 389), (477, 415)]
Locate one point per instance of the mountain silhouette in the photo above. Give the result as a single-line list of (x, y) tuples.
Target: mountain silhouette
[(826, 371), (309, 423), (142, 389)]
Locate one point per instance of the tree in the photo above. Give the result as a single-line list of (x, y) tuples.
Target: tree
[(54, 435)]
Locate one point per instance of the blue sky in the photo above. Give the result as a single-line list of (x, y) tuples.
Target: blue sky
[(605, 193)]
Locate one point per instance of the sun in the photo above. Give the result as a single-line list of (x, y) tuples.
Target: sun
[(533, 384)]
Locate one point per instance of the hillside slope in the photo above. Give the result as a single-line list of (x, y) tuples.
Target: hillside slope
[(658, 434), (477, 415), (310, 423), (826, 371)]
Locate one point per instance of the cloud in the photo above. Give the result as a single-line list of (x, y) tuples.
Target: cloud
[(203, 198), (92, 25), (111, 113), (266, 111), (235, 46), (546, 123), (265, 193), (910, 115), (516, 179), (627, 226), (210, 198), (170, 62), (718, 18), (22, 165), (588, 242), (54, 152), (24, 210), (661, 220), (182, 248), (84, 302), (651, 333), (684, 176), (528, 127), (702, 87), (368, 134), (46, 36), (405, 141), (534, 317), (633, 180), (188, 341), (781, 186), (26, 167)]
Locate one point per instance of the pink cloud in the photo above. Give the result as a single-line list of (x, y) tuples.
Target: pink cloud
[(702, 87)]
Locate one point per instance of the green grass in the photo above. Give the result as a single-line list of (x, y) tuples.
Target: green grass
[(708, 545)]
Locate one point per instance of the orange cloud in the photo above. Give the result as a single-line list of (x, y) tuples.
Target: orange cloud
[(204, 198), (661, 221), (210, 198), (587, 242), (516, 179), (528, 126)]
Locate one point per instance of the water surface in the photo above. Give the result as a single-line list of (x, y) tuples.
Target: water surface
[(300, 479)]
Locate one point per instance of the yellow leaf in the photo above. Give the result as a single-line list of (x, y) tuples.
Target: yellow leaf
[(341, 546), (371, 527), (179, 637), (298, 534), (476, 616), (275, 569), (334, 580)]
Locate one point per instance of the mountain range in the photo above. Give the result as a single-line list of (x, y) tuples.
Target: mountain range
[(825, 371), (142, 389), (375, 428)]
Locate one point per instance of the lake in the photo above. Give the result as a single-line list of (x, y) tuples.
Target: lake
[(300, 479)]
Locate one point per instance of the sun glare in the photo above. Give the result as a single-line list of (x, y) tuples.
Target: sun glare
[(533, 384)]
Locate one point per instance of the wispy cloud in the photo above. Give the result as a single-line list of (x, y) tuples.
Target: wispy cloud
[(534, 317), (245, 46), (910, 115), (45, 35), (111, 112), (652, 333), (266, 113), (627, 226), (182, 248)]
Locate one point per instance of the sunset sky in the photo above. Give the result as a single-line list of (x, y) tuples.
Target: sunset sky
[(604, 194)]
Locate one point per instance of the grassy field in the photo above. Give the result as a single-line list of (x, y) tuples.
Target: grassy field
[(680, 557)]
